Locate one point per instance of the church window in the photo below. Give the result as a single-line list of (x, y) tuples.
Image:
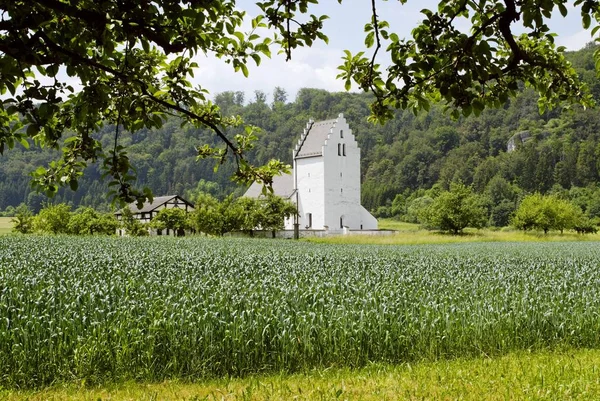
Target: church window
[(344, 149), (341, 133), (309, 218), (341, 222), (339, 149)]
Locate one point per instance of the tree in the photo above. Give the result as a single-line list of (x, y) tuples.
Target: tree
[(216, 218), (23, 220), (273, 212), (250, 210), (87, 221), (456, 209), (134, 60), (547, 213), (171, 219), (53, 219), (279, 96), (131, 225)]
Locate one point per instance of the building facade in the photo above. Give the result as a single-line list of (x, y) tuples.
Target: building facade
[(325, 180), (150, 209)]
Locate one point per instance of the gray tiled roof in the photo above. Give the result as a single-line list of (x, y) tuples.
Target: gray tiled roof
[(312, 143), (156, 202), (283, 185)]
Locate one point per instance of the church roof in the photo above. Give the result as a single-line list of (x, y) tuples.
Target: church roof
[(314, 137), (283, 186)]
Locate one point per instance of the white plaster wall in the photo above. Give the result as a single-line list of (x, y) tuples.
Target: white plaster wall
[(310, 185), (342, 179)]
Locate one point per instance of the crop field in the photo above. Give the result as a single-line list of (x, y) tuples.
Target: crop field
[(98, 310)]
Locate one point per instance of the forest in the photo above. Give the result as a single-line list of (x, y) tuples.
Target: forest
[(405, 162)]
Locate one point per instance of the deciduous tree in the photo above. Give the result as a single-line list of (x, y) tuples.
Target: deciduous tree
[(456, 209)]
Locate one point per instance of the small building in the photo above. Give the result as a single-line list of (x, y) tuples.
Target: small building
[(517, 140), (325, 180), (149, 210)]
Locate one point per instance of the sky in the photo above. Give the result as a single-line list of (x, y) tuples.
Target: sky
[(316, 67)]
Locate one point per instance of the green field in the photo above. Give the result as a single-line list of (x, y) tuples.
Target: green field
[(5, 225), (102, 310)]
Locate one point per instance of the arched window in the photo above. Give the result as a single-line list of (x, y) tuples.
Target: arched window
[(344, 149), (341, 133), (339, 149)]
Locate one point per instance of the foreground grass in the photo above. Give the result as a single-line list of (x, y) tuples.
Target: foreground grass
[(5, 225), (563, 375), (412, 234)]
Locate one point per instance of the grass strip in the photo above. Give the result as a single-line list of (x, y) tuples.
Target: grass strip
[(559, 375), (412, 234), (5, 225)]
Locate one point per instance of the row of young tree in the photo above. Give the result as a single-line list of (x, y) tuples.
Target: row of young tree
[(460, 207), (212, 217)]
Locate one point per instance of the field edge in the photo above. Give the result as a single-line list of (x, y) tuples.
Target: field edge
[(564, 374)]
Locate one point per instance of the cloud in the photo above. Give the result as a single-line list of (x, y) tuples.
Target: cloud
[(308, 68), (575, 41)]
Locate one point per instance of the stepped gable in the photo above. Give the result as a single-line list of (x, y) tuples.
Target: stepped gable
[(314, 138)]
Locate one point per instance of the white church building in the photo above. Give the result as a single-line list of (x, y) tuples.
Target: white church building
[(325, 180)]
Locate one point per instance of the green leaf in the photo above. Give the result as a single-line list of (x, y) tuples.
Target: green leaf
[(586, 20), (370, 39), (562, 9), (244, 69)]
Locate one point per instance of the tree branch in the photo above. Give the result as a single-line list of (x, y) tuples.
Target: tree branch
[(126, 78)]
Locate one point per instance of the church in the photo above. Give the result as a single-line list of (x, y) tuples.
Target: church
[(325, 180)]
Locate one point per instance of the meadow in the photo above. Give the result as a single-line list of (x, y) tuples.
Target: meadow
[(413, 234), (100, 310), (5, 225)]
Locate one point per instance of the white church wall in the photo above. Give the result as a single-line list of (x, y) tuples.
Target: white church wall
[(310, 174), (342, 178)]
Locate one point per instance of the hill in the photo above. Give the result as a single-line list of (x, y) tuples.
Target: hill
[(403, 161)]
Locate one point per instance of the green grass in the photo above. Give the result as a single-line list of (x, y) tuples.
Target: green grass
[(5, 225), (565, 375), (412, 234)]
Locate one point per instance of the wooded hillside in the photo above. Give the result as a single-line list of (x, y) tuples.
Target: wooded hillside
[(556, 151)]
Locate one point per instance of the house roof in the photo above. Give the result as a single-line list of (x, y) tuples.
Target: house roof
[(283, 186), (156, 202), (314, 137)]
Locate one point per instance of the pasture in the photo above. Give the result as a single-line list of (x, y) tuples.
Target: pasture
[(100, 310), (5, 225), (413, 234)]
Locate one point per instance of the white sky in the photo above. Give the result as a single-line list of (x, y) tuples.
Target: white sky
[(316, 67)]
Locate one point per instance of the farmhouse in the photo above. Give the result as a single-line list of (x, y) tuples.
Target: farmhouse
[(150, 209), (325, 180)]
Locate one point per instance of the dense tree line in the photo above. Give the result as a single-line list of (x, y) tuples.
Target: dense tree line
[(405, 163)]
